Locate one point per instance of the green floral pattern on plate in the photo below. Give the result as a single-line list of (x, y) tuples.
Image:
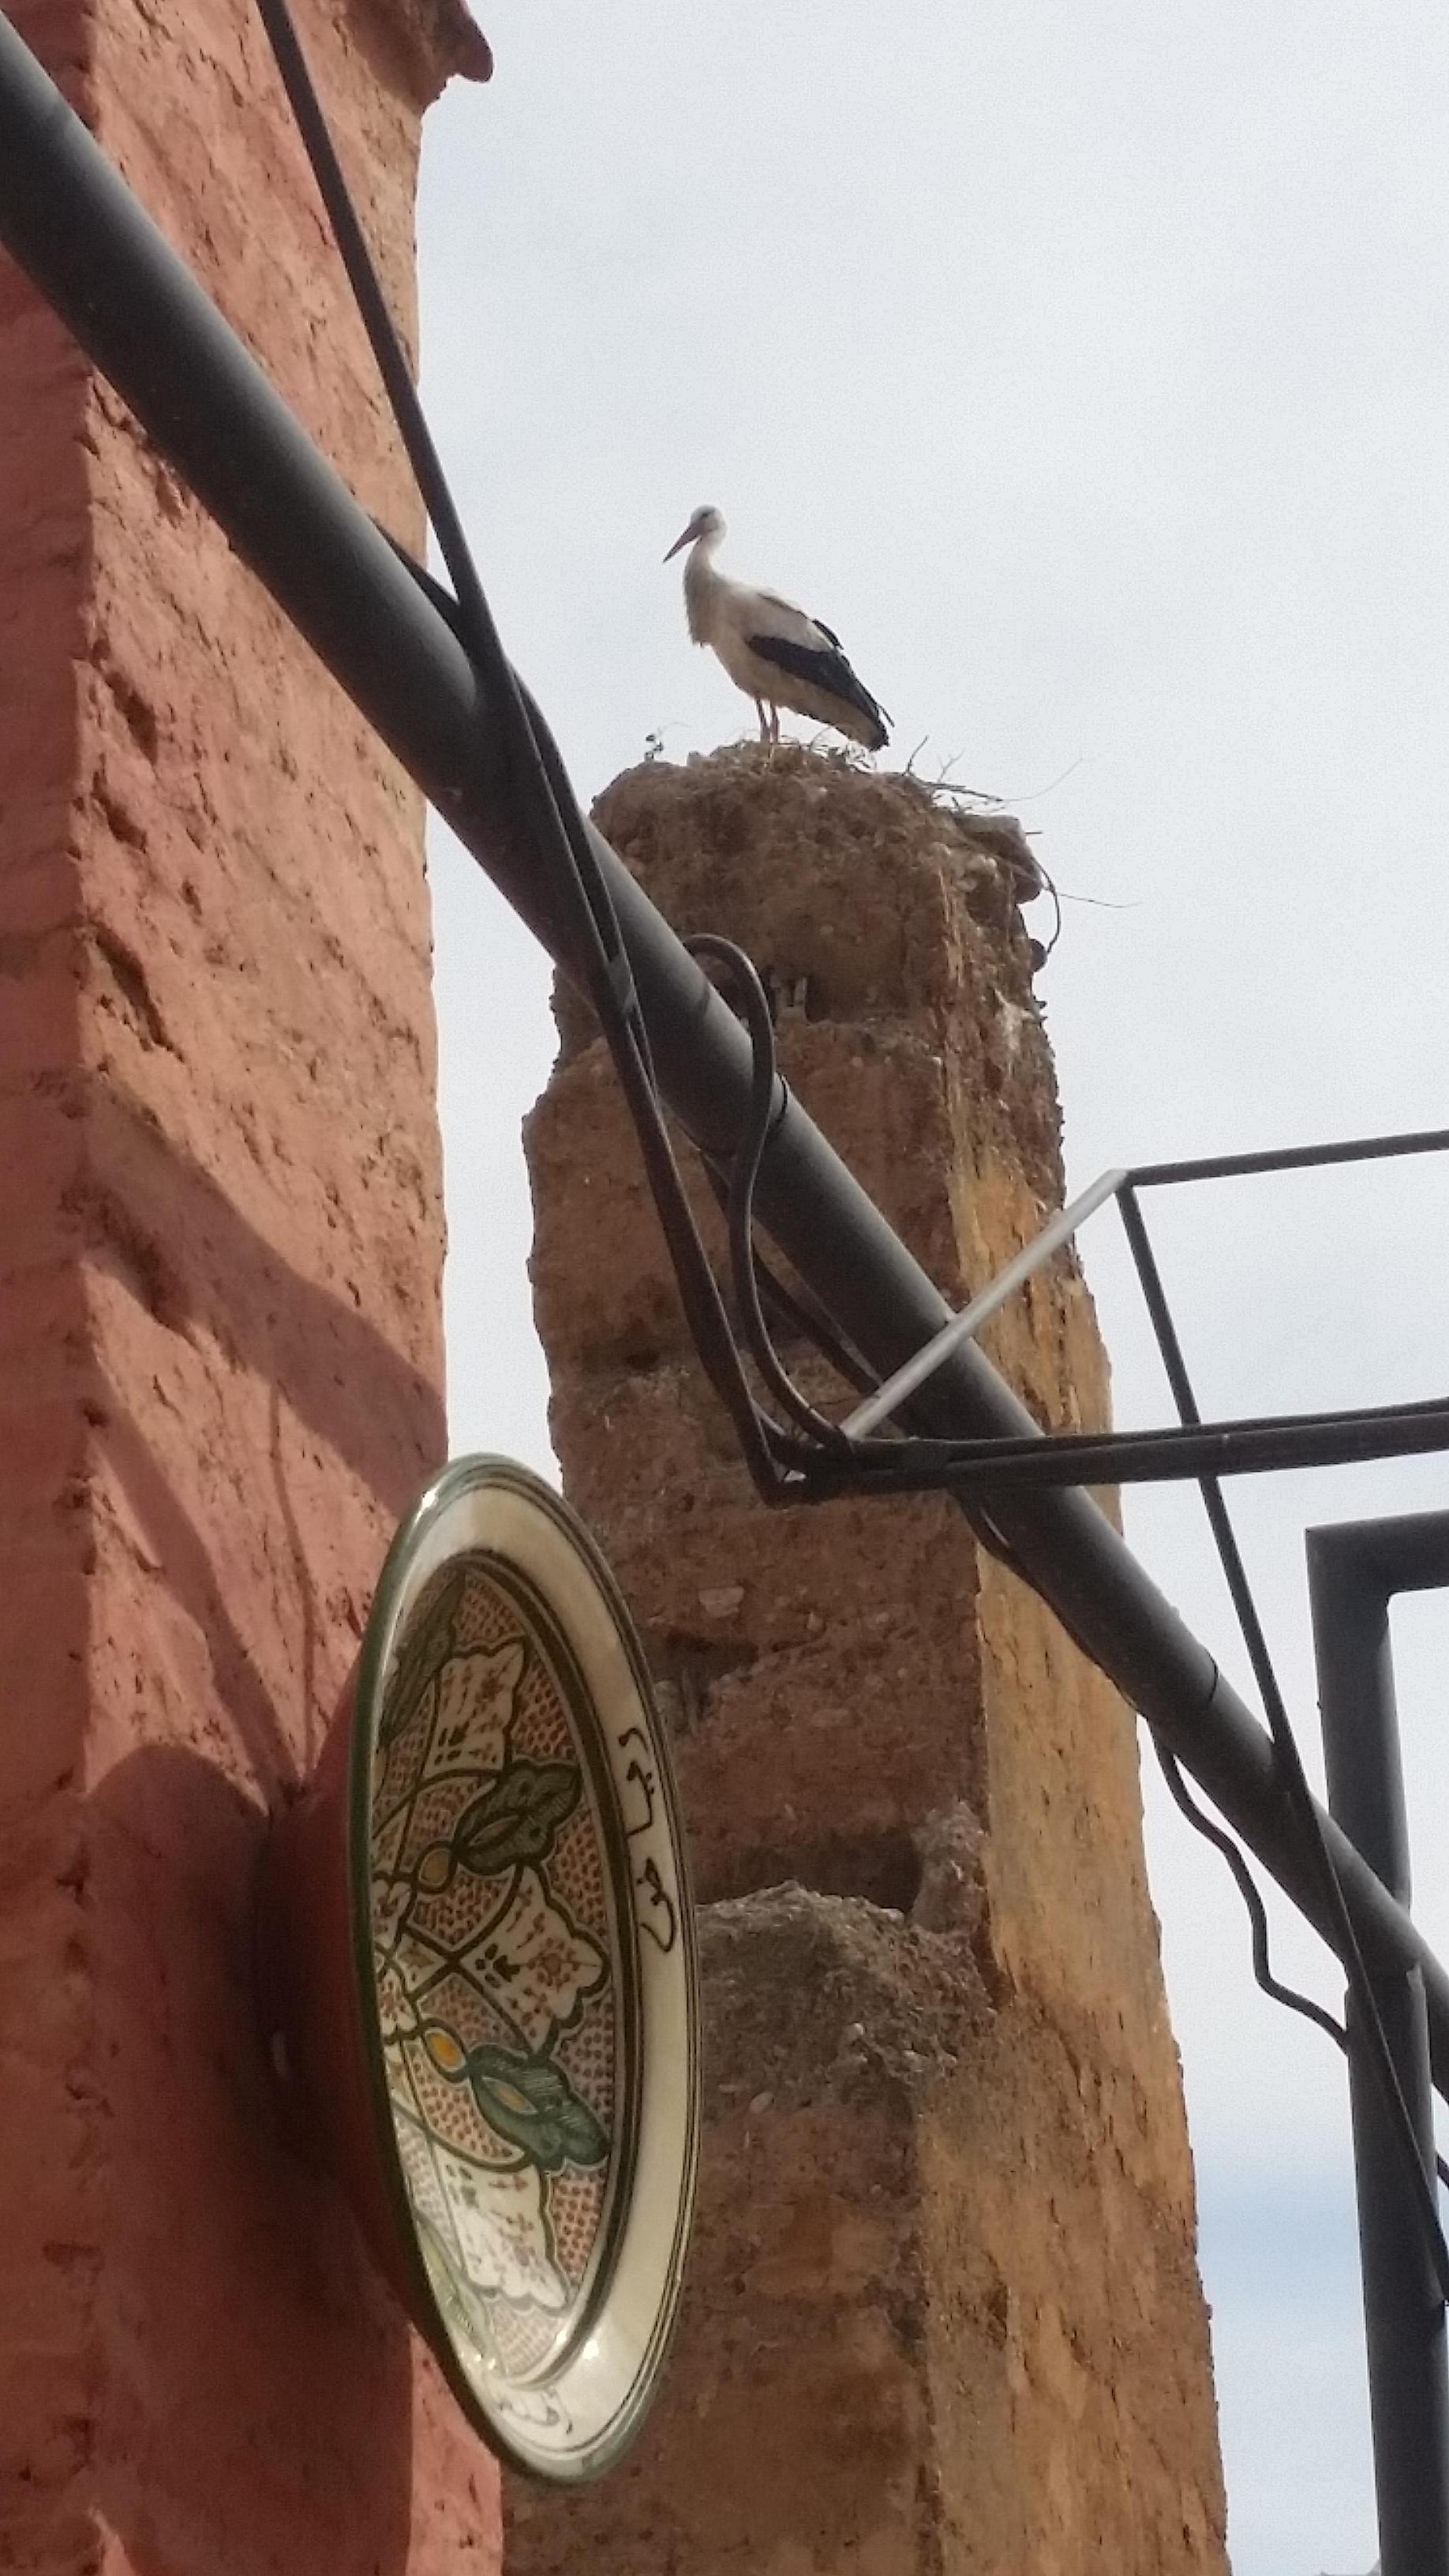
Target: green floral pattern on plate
[(497, 1961)]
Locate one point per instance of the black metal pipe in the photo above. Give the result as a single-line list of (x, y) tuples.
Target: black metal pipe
[(1178, 1450), (1409, 1553), (1353, 1571), (72, 224), (1290, 1158)]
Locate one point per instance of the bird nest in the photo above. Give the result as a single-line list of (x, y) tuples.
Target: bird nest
[(874, 906), (990, 847)]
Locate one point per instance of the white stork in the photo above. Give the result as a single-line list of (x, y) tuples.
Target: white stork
[(772, 650)]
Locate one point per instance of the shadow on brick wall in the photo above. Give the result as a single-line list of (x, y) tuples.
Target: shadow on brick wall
[(257, 2377)]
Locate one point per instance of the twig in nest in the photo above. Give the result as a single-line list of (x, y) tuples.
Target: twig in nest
[(1034, 795), (952, 787), (1102, 902)]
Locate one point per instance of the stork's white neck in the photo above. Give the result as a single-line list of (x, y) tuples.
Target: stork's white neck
[(702, 586)]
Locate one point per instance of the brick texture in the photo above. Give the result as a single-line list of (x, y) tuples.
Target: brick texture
[(220, 1359)]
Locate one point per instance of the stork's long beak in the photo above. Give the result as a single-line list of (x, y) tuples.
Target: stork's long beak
[(681, 541)]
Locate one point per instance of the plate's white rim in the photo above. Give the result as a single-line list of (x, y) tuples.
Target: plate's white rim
[(569, 2424)]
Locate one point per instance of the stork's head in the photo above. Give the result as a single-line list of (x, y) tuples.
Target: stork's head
[(705, 523)]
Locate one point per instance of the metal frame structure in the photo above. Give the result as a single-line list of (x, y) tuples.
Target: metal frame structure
[(386, 636), (1305, 1440)]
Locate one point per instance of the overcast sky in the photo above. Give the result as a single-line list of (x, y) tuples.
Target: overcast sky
[(1085, 366)]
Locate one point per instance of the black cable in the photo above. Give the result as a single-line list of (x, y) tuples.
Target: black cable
[(754, 1282), (1247, 1887), (1285, 1745), (545, 796), (741, 1181)]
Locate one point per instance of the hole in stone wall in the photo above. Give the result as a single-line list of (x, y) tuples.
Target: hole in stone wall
[(642, 1344), (686, 1670)]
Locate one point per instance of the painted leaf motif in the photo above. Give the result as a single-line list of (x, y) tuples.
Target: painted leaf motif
[(422, 1659), (499, 2222), (396, 2018), (515, 1820), (474, 1708), (535, 1964), (530, 2101)]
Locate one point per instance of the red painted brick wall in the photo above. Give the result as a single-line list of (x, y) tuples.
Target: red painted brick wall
[(220, 1365)]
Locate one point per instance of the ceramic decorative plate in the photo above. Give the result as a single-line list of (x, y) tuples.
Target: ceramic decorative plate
[(525, 1945)]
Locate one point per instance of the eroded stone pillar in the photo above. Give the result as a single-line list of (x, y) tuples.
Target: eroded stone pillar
[(220, 1359), (944, 2312)]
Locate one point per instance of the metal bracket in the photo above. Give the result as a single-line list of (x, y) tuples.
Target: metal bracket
[(965, 1326), (1190, 1445)]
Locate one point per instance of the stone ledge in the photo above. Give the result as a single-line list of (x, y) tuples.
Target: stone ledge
[(441, 38), (813, 1998)]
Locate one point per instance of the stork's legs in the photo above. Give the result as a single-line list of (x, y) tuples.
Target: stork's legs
[(764, 721)]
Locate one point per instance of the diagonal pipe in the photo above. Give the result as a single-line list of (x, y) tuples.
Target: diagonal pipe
[(89, 247)]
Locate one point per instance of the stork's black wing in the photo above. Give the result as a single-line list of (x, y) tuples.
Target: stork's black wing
[(825, 667)]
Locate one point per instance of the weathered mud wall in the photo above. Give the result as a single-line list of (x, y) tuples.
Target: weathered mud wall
[(944, 2313)]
